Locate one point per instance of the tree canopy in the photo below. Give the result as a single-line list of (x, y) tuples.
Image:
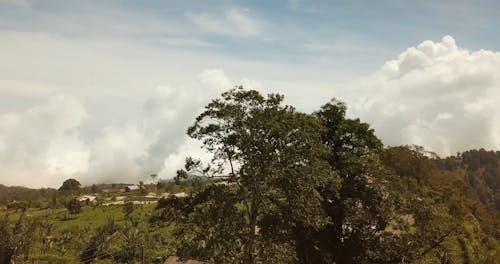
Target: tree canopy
[(70, 185)]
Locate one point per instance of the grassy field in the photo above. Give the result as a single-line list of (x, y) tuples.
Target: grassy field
[(89, 215), (75, 231)]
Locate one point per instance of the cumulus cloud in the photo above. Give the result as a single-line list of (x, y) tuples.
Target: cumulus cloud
[(234, 22), (436, 94), (43, 145)]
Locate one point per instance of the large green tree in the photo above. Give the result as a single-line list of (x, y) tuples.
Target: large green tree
[(272, 156), (356, 207)]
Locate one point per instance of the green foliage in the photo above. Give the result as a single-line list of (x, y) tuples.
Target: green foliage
[(21, 197), (59, 240), (16, 238), (73, 206), (215, 229), (321, 189), (70, 185), (274, 155), (95, 248), (451, 186), (128, 209), (356, 209)]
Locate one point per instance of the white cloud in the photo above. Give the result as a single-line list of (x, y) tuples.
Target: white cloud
[(215, 78), (42, 146), (43, 141), (233, 22), (436, 94)]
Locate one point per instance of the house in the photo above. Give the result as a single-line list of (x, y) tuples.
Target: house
[(121, 190), (164, 195), (132, 188), (151, 195), (87, 199), (177, 260), (148, 186), (180, 195)]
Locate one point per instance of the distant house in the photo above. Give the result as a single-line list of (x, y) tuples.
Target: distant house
[(122, 190), (87, 199), (132, 188), (164, 195), (152, 195), (177, 260), (180, 195), (148, 186)]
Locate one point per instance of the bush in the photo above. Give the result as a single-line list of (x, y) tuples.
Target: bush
[(73, 206)]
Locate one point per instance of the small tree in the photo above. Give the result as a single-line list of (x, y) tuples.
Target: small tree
[(95, 248), (154, 177), (70, 185), (128, 209), (16, 238), (73, 206)]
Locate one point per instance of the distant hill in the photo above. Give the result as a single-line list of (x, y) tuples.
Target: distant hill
[(468, 182)]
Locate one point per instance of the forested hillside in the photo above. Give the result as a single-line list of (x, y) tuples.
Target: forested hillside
[(282, 187)]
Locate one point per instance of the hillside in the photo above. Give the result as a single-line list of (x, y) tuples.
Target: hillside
[(282, 187)]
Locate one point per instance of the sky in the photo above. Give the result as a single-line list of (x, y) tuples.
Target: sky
[(103, 91)]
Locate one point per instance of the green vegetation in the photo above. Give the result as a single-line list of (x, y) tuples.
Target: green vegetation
[(321, 188), (73, 206), (49, 236), (282, 187), (70, 185)]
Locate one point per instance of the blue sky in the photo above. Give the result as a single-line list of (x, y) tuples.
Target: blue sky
[(104, 90), (358, 34)]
